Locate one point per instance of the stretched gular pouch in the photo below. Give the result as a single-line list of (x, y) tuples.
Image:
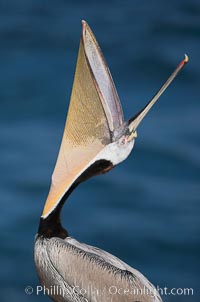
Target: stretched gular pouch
[(94, 113)]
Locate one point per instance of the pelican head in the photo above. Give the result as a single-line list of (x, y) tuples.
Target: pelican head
[(96, 137)]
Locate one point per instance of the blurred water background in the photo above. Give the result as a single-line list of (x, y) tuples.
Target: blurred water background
[(146, 211)]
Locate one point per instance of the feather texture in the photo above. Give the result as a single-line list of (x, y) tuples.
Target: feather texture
[(85, 272)]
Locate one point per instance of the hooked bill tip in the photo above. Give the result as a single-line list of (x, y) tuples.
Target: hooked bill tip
[(84, 24), (186, 59)]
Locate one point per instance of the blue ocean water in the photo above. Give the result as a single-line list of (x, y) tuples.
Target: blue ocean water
[(146, 211)]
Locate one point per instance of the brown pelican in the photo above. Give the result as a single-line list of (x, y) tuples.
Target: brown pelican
[(96, 138)]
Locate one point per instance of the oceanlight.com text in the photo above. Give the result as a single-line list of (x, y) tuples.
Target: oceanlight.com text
[(90, 291)]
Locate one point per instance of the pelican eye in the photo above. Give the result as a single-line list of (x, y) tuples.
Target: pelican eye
[(123, 140)]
